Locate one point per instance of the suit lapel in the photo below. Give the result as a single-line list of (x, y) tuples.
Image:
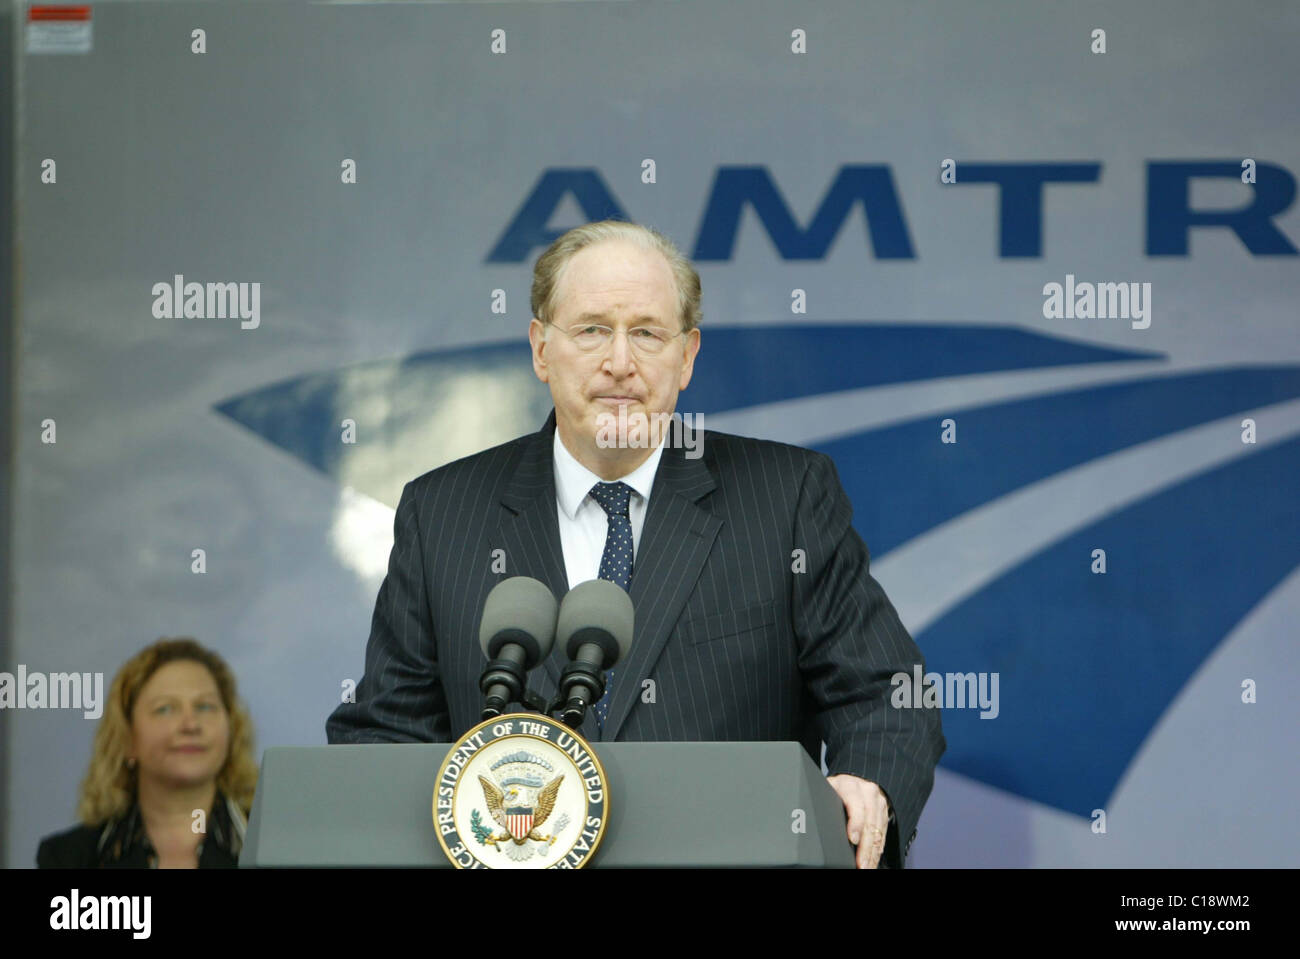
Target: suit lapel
[(530, 536), (675, 542)]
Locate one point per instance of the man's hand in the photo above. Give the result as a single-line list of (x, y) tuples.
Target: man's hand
[(868, 811)]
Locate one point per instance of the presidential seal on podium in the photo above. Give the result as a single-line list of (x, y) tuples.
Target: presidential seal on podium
[(520, 791)]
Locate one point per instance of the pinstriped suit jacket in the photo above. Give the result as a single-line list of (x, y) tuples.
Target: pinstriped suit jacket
[(739, 646)]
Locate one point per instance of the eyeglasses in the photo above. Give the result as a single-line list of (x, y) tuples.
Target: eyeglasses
[(646, 340)]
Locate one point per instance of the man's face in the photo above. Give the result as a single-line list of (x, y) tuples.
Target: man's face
[(621, 286)]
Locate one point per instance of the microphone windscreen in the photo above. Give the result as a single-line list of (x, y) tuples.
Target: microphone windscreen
[(519, 609), (600, 605)]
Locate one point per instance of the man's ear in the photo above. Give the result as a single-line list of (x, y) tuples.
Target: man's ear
[(537, 340), (688, 365)]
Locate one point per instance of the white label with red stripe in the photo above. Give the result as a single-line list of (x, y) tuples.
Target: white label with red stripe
[(59, 29)]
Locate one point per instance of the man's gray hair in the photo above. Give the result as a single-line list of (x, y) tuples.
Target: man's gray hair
[(550, 266)]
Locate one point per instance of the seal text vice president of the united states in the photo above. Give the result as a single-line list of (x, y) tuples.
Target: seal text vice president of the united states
[(737, 643)]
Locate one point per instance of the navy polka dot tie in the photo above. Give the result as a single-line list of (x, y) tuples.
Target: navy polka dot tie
[(616, 562)]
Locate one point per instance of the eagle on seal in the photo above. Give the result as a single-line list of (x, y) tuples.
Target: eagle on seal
[(497, 802)]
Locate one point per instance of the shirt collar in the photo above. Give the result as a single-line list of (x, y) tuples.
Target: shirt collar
[(573, 481), (126, 839)]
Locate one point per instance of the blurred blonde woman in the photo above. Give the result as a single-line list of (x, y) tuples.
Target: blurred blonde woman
[(172, 774)]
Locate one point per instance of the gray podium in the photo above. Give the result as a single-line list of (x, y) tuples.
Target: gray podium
[(671, 804)]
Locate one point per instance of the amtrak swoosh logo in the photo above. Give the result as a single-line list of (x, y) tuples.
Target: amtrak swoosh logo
[(983, 545)]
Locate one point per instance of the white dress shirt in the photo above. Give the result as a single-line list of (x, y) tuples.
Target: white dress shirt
[(583, 522)]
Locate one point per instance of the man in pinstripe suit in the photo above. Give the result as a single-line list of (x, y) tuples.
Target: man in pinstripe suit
[(756, 615)]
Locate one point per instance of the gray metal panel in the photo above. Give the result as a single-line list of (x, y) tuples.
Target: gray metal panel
[(8, 344), (671, 804)]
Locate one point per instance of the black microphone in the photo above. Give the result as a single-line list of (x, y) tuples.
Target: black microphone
[(516, 633), (595, 631)]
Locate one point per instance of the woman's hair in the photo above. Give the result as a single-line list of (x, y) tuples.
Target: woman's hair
[(551, 264), (109, 788)]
